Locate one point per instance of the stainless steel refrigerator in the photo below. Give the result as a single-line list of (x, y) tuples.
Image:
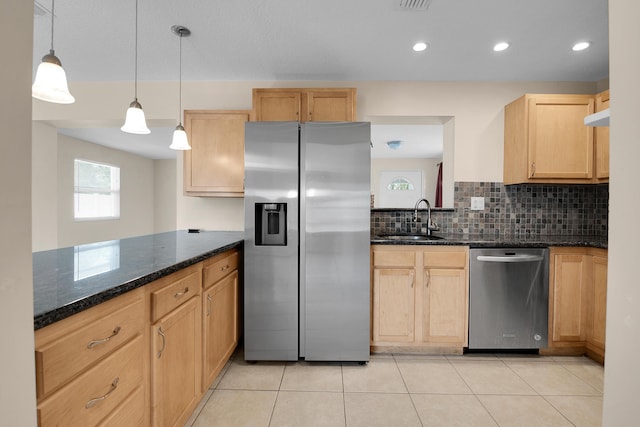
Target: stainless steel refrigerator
[(306, 250)]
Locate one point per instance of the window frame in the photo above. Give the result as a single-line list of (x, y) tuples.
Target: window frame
[(115, 189)]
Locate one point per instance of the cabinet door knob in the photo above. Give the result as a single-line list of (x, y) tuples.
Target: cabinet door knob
[(411, 279), (96, 400), (96, 343)]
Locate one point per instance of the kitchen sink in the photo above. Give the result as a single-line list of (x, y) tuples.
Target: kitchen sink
[(409, 237)]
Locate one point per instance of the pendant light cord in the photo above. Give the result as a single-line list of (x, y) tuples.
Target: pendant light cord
[(135, 91), (53, 5), (180, 84)]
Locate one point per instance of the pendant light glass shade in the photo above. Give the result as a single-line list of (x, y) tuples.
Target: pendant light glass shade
[(180, 141), (50, 83), (135, 121)]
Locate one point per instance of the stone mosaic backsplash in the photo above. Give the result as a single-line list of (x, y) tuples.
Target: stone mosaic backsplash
[(522, 210)]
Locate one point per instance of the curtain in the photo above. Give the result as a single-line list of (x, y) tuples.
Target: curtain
[(439, 187)]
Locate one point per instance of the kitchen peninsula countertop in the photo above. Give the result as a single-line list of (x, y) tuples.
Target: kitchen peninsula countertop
[(69, 280), (540, 241)]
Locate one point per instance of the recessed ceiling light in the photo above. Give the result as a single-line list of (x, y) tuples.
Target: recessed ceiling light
[(420, 46), (581, 46), (499, 47)]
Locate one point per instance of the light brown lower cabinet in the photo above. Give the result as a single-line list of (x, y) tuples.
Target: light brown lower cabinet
[(598, 303), (219, 314), (90, 368), (175, 365), (577, 301), (144, 358), (419, 298), (175, 333)]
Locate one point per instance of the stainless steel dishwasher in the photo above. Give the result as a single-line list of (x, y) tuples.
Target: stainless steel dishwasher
[(508, 298)]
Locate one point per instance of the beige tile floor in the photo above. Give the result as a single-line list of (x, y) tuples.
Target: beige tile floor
[(407, 390)]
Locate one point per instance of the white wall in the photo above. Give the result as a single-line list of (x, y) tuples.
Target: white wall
[(136, 194), (165, 195), (52, 192), (429, 168), (17, 368), (477, 108), (622, 375), (44, 187)]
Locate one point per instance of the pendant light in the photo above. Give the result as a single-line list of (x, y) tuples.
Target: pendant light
[(180, 140), (50, 83), (135, 121)]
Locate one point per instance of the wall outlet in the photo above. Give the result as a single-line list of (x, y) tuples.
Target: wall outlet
[(477, 203)]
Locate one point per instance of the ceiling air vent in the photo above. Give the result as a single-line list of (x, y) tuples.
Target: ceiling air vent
[(421, 5)]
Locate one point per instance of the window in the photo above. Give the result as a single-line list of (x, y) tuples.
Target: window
[(96, 190), (399, 189), (400, 184)]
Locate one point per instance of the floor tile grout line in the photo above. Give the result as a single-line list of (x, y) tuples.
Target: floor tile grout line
[(558, 410), (486, 409), (520, 376), (413, 403), (578, 377), (344, 400), (213, 388), (406, 387), (557, 364), (275, 401)]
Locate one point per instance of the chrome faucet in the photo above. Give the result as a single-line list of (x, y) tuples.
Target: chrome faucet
[(430, 225)]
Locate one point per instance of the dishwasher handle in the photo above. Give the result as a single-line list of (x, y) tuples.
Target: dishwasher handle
[(510, 258)]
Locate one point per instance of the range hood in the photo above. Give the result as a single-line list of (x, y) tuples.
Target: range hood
[(601, 118)]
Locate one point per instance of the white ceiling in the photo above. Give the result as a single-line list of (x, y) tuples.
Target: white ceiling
[(336, 40), (416, 141)]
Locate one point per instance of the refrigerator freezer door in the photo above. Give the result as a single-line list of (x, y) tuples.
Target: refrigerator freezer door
[(334, 244), (271, 267)]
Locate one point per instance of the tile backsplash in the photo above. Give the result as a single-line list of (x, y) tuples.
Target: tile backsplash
[(522, 210)]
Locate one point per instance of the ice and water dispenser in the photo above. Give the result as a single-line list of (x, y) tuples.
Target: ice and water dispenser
[(271, 224)]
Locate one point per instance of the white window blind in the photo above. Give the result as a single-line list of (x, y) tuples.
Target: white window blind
[(96, 190)]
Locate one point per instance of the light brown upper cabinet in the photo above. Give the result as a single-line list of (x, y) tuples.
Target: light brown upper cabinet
[(546, 141), (214, 166), (304, 105), (602, 140)]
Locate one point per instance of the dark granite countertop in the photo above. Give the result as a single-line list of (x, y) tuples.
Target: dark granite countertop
[(69, 280), (507, 241)]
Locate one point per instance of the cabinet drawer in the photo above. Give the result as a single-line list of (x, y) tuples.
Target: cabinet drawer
[(445, 259), (220, 266), (171, 296), (394, 259), (97, 393), (130, 413), (64, 357)]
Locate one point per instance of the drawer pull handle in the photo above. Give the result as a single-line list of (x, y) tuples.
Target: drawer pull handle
[(224, 268), (179, 294), (96, 343), (164, 341), (93, 402)]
